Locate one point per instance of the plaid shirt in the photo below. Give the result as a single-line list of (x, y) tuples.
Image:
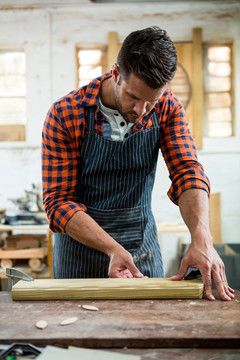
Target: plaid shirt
[(63, 136)]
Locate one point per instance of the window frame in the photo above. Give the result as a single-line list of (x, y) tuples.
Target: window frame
[(101, 47), (230, 44), (14, 134)]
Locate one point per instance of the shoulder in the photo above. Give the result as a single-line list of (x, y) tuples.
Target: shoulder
[(169, 106), (169, 102), (70, 101)]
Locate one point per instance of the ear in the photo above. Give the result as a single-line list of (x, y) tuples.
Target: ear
[(115, 73)]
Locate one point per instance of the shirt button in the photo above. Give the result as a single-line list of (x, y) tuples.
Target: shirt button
[(122, 123), (116, 114), (126, 135)]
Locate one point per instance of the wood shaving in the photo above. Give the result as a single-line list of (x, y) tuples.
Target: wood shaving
[(41, 324), (69, 321), (90, 307)]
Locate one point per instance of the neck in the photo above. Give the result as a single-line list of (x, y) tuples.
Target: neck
[(107, 94)]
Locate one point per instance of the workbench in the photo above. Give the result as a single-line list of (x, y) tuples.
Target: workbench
[(199, 329)]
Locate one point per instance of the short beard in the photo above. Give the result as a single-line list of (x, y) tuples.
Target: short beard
[(116, 100)]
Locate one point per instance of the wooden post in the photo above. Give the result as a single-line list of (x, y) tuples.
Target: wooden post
[(112, 51), (215, 217), (197, 87)]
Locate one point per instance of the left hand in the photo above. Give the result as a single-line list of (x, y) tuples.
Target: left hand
[(211, 266), (121, 264)]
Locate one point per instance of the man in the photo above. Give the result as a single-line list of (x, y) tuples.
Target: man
[(100, 147)]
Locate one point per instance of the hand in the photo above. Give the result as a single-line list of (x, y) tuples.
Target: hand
[(207, 260), (121, 265)]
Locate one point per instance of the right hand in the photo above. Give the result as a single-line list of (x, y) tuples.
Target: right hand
[(121, 265)]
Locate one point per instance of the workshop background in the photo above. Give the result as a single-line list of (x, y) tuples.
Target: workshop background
[(46, 49)]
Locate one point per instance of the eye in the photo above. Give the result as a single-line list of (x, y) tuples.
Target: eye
[(133, 97), (153, 101)]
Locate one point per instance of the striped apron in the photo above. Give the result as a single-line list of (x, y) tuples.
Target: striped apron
[(115, 183)]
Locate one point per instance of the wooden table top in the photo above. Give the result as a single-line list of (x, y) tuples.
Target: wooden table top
[(123, 323)]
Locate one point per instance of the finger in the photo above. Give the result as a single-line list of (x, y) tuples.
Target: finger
[(114, 275), (181, 272), (207, 281), (127, 274), (220, 285), (228, 287), (229, 291), (134, 270), (136, 273), (225, 283)]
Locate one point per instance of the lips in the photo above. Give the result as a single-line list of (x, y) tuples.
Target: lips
[(134, 116)]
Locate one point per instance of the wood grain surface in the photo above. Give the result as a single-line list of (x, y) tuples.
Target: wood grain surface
[(143, 288), (123, 323)]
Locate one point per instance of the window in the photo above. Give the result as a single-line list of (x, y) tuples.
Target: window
[(92, 63), (12, 96), (218, 112)]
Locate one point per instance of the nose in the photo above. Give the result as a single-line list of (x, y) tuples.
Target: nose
[(140, 108)]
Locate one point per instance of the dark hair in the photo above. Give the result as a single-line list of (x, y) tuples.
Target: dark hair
[(150, 55)]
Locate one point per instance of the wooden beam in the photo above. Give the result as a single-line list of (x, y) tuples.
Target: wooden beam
[(215, 217), (113, 47), (197, 87), (23, 253), (12, 132), (134, 288)]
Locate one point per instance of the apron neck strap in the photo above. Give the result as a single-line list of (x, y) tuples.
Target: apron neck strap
[(90, 118)]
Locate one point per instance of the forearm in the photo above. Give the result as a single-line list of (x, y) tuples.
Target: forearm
[(194, 208), (84, 229)]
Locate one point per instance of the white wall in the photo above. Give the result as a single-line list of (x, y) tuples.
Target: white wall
[(49, 34)]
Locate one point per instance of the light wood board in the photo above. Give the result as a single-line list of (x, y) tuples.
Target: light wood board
[(135, 288)]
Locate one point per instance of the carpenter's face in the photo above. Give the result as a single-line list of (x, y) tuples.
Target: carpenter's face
[(133, 98)]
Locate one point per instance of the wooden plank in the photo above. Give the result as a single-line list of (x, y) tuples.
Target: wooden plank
[(135, 288), (215, 217), (171, 228), (12, 132), (22, 254), (197, 87), (4, 227), (113, 47), (123, 323), (22, 242)]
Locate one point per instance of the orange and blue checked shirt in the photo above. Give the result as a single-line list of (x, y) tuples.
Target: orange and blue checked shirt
[(63, 137)]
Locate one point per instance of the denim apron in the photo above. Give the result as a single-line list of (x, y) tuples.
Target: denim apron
[(115, 183)]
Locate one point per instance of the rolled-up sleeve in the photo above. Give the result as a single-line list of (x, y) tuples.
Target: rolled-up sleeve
[(60, 163), (179, 152)]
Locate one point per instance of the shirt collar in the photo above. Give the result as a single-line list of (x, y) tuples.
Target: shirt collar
[(92, 90)]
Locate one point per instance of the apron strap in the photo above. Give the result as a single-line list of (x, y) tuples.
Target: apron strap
[(155, 119), (90, 118)]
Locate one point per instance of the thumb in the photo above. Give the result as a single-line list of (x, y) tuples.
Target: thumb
[(134, 271), (181, 273)]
